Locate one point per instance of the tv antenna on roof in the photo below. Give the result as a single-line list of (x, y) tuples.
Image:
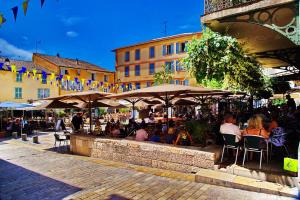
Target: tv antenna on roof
[(165, 28)]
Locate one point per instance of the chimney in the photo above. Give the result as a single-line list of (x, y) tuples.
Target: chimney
[(77, 62), (57, 55)]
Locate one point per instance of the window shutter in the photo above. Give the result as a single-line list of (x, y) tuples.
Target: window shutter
[(164, 50), (172, 66), (172, 48), (177, 48), (177, 66)]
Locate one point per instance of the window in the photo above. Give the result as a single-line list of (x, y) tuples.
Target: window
[(105, 78), (168, 49), (151, 68), (179, 66), (181, 47), (177, 82), (43, 93), (64, 72), (186, 82), (171, 81), (93, 77), (152, 52), (137, 54), (137, 70), (127, 56), (18, 93), (149, 84), (137, 86), (78, 72), (169, 66), (19, 78), (44, 79), (127, 71)]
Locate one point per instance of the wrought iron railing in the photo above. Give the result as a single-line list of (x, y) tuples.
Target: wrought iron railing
[(218, 5)]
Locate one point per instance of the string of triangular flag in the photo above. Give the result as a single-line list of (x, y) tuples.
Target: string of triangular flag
[(64, 81), (15, 10)]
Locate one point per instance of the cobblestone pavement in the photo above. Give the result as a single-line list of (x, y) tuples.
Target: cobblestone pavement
[(30, 172)]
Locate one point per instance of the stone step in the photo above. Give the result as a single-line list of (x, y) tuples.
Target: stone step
[(288, 179), (239, 182)]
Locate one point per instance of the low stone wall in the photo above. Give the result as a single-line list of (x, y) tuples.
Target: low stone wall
[(144, 153)]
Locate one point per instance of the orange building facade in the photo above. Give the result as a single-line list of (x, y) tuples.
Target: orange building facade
[(100, 78), (137, 64)]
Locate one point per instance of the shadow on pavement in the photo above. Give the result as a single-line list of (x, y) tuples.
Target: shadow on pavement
[(19, 183)]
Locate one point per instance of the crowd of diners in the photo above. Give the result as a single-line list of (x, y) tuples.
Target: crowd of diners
[(155, 131), (262, 122), (277, 125)]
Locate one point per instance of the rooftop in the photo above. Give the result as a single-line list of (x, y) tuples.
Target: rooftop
[(71, 63), (159, 39), (28, 64)]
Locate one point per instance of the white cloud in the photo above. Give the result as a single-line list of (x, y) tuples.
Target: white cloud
[(186, 26), (24, 37), (14, 52), (70, 21), (71, 34)]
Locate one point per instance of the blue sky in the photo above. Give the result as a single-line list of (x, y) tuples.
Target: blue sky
[(90, 29)]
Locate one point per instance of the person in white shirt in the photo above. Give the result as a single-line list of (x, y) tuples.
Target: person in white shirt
[(228, 127)]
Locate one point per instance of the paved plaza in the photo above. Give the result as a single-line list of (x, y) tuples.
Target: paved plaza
[(29, 171)]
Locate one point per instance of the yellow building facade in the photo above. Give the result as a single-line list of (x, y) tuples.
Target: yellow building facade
[(100, 79), (136, 64), (21, 87), (25, 87)]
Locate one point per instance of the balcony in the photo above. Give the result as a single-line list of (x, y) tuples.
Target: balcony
[(218, 5)]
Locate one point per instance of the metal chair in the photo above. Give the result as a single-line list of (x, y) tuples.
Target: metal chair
[(59, 140), (257, 144), (230, 143)]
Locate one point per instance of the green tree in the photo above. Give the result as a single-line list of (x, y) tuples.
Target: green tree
[(164, 76), (221, 60)]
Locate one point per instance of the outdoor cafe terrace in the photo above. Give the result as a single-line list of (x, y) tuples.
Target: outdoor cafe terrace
[(181, 133)]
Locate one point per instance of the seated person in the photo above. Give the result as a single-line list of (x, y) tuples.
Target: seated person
[(115, 131), (141, 134), (273, 124), (170, 136), (229, 127), (151, 119), (183, 138), (156, 136), (108, 128), (255, 127)]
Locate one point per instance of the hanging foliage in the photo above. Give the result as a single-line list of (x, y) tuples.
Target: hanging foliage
[(221, 59), (164, 76)]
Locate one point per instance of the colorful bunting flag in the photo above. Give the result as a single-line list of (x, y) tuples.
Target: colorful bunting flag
[(13, 68), (42, 3), (15, 12), (52, 76), (44, 75), (23, 70), (1, 66), (2, 19), (25, 6)]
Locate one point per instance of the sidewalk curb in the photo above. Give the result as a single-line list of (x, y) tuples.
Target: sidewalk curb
[(244, 183)]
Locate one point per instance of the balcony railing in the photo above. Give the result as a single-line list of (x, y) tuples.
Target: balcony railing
[(218, 5)]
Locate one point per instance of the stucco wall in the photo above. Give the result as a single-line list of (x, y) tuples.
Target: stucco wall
[(29, 88)]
